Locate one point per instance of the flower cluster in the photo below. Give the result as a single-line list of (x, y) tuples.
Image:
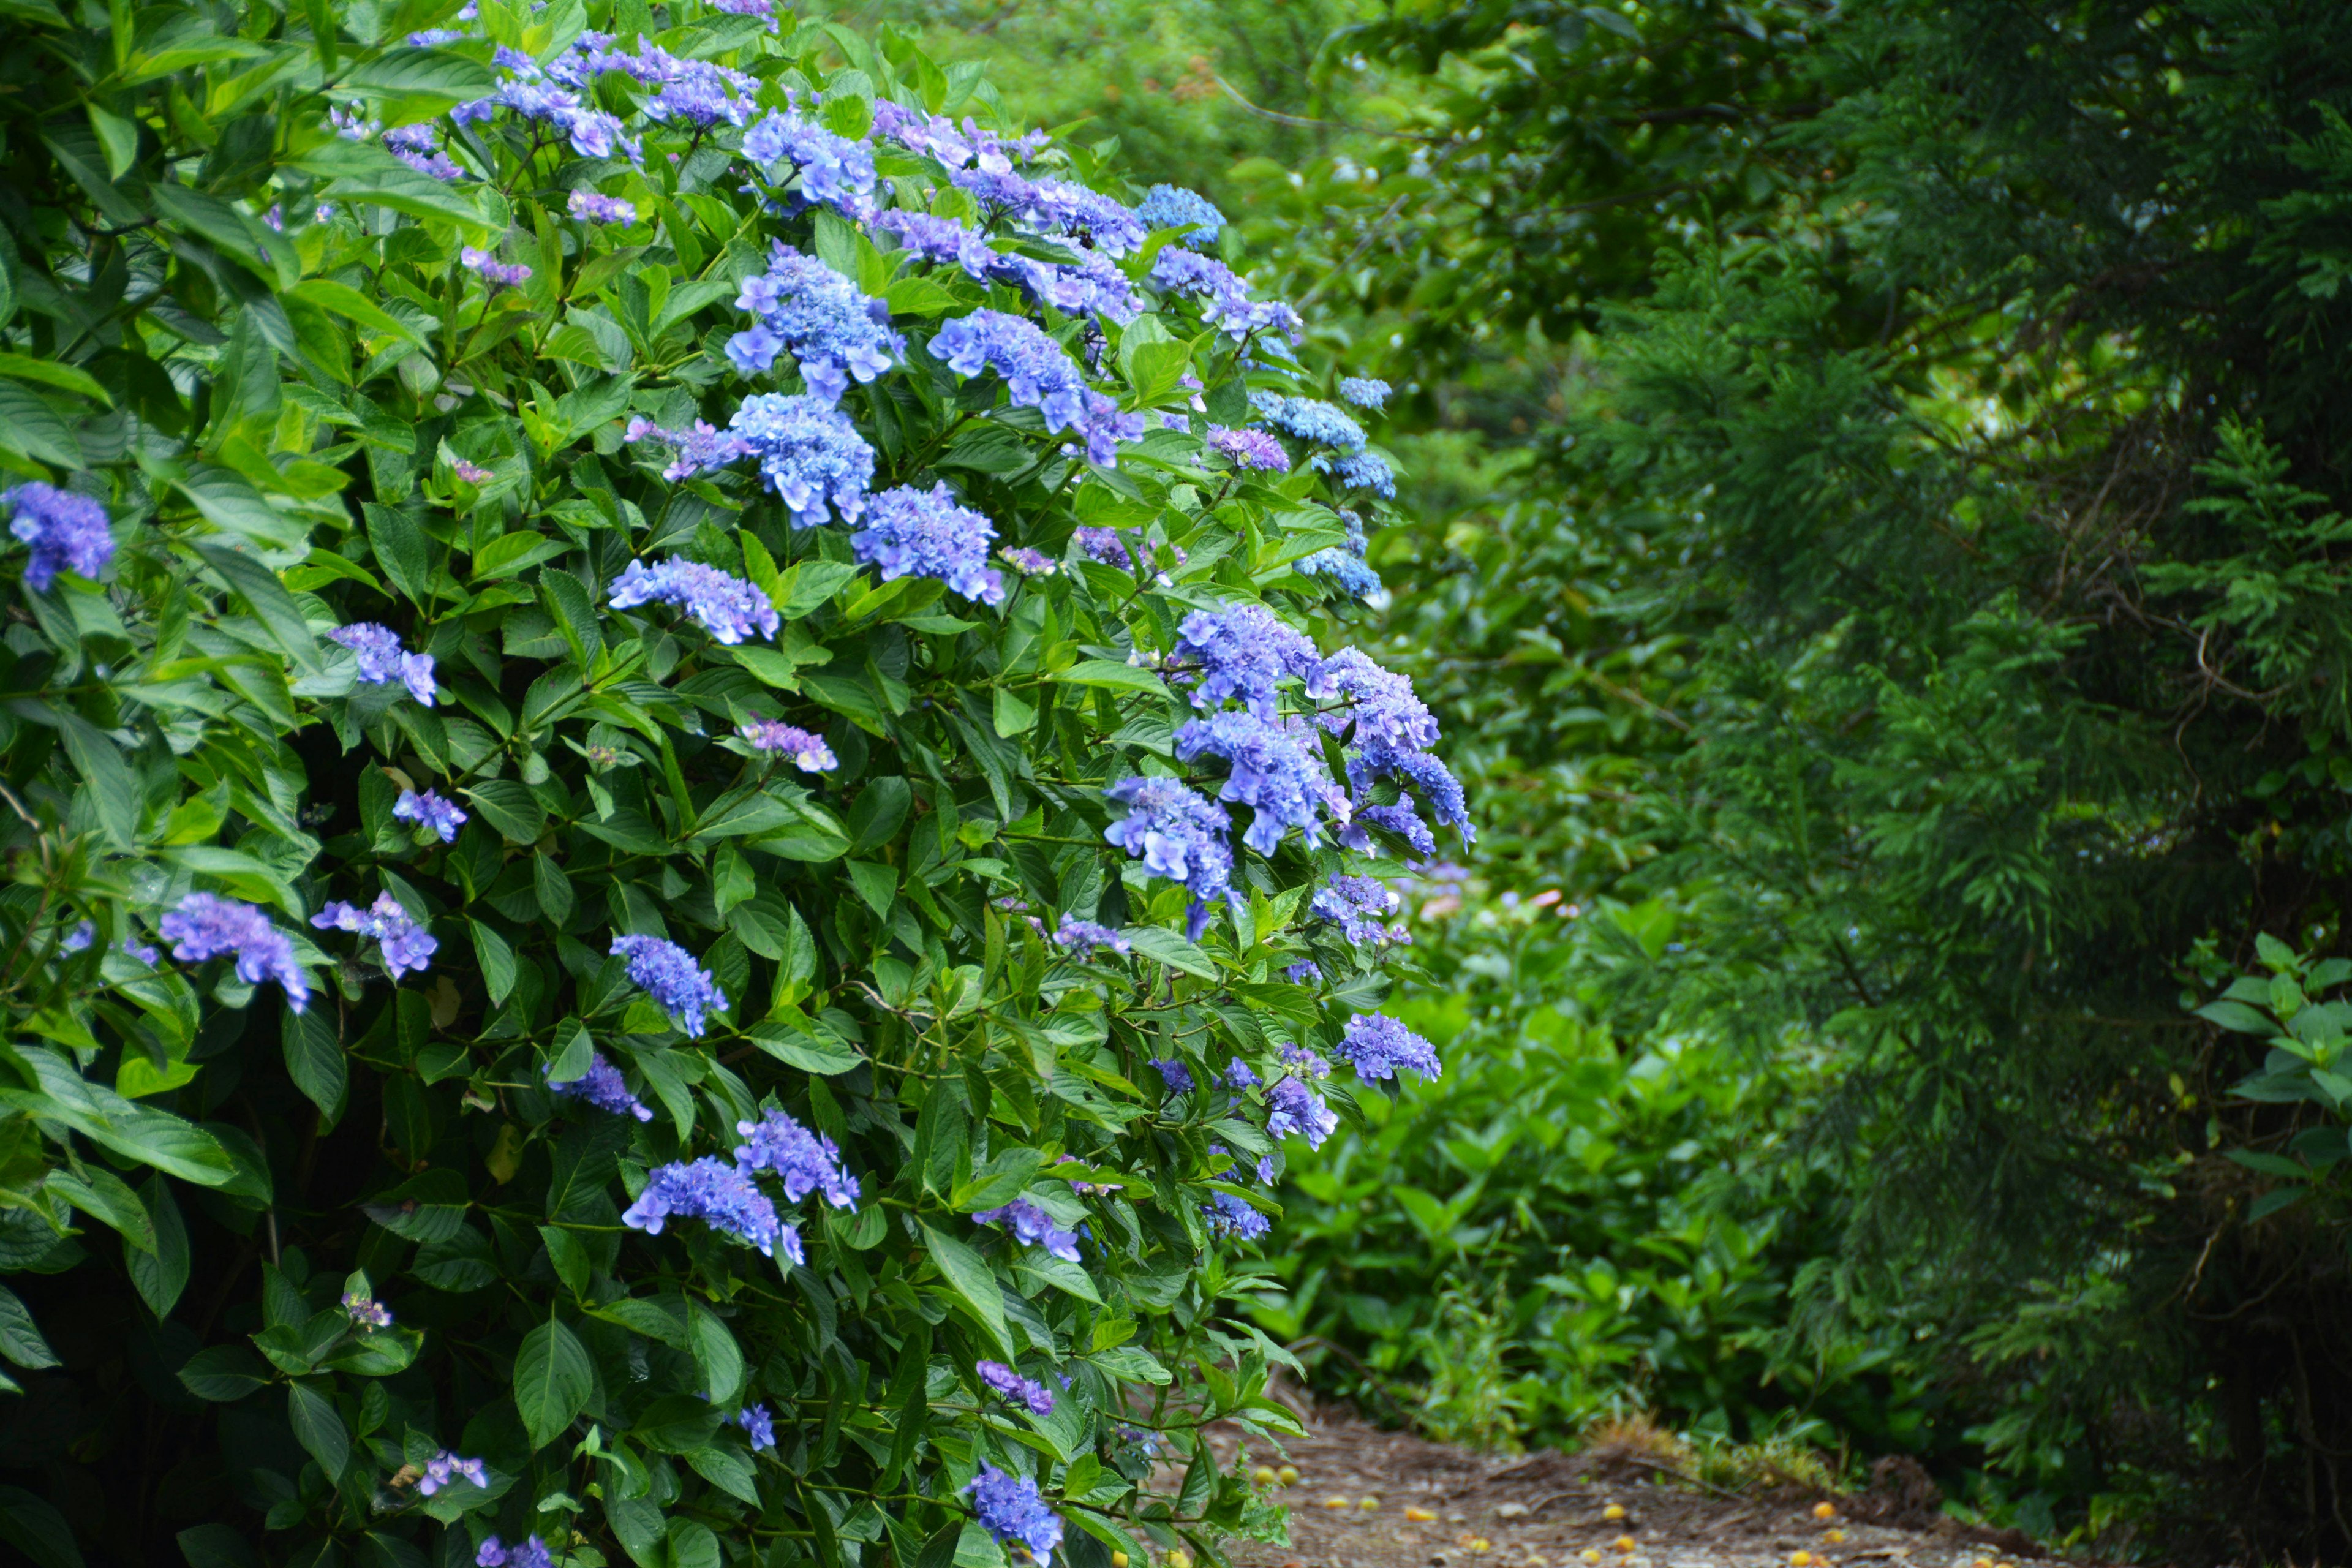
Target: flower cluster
[(602, 1087), (535, 96), (471, 472), (925, 533), (405, 945), (809, 752), (1378, 1046), (806, 1162), (447, 1468), (593, 206), (368, 1314), (530, 1552), (495, 273), (382, 659), (942, 241), (1389, 731), (205, 926), (758, 1423), (810, 453), (726, 606), (1027, 1392), (1249, 448), (1051, 207), (67, 532), (1311, 420), (1366, 472), (1173, 206), (699, 94), (834, 171), (670, 976), (1400, 819), (699, 450), (1175, 1074), (1342, 565), (1225, 301), (1364, 392), (429, 811), (720, 1196), (1027, 562), (1040, 374), (1294, 1105), (1244, 650), (803, 306), (1010, 1509), (1274, 769), (1177, 835), (419, 147), (1033, 1226), (1359, 906), (1083, 936), (953, 145)]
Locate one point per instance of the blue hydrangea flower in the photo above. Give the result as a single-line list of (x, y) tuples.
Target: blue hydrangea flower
[(1249, 448), (726, 606), (406, 946), (1441, 790), (1225, 301), (806, 1162), (700, 450), (1366, 472), (1105, 545), (834, 171), (429, 811), (956, 145), (1364, 392), (602, 1087), (495, 273), (447, 1469), (206, 926), (1294, 1107), (718, 1194), (758, 1423), (1388, 730), (670, 976), (79, 938), (1400, 819), (528, 1553), (1310, 419), (419, 147), (1303, 972), (1359, 906), (1179, 835), (1343, 566), (594, 206), (942, 241), (1027, 562), (1033, 1226), (1083, 936), (925, 533), (1027, 1392), (699, 94), (803, 306), (529, 94), (1244, 651), (808, 753), (1239, 1075), (382, 659), (1226, 1215), (1173, 206), (67, 532), (1174, 1074), (1039, 373), (367, 1314), (810, 453), (1010, 1509), (1274, 769), (1378, 1046)]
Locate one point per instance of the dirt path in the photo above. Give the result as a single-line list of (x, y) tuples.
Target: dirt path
[(1436, 1507)]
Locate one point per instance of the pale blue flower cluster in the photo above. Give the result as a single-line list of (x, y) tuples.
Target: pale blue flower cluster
[(1378, 1046), (942, 241), (1249, 448), (808, 753), (1105, 545), (495, 273), (1364, 392), (758, 1423), (367, 1314), (700, 93), (602, 1087), (1051, 207), (670, 976), (1366, 472), (720, 1196), (1027, 1392), (726, 606), (1244, 650), (429, 811), (1179, 835), (925, 533), (1175, 1074), (1295, 1107), (1033, 1226), (802, 306), (810, 453), (1009, 1509), (591, 206), (1389, 731), (405, 945), (1083, 936), (1400, 819), (1225, 301), (66, 531), (834, 171), (419, 147), (528, 1553), (1310, 419), (1343, 566), (1040, 374), (382, 659), (1173, 206), (699, 450), (205, 926), (1228, 1215), (804, 1161), (1238, 1075), (1274, 769)]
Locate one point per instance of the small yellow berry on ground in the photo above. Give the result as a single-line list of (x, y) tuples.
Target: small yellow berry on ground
[(1369, 1505), (1623, 1543), (1614, 1510), (1417, 1515), (1591, 1554), (1481, 1545), (1826, 1510), (1287, 1474), (1835, 1537), (1179, 1558), (1263, 1475), (1118, 1560), (1800, 1560), (1336, 1502)]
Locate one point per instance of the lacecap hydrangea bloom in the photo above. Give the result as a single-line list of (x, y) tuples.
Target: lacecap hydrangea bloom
[(720, 1194), (834, 171), (530, 1552), (1294, 1105), (1027, 1392), (1378, 1046), (1177, 834), (1311, 420), (1249, 448), (1364, 392), (1244, 651), (925, 533), (447, 1469), (406, 946), (593, 206), (366, 1313), (1033, 1226), (1010, 1509), (672, 977), (1273, 768), (1173, 206), (1083, 936), (808, 753), (758, 1423), (700, 449), (428, 810), (602, 1087), (1360, 906), (206, 926), (1039, 373), (67, 532), (1366, 472), (1174, 1074), (802, 307), (382, 658), (810, 453), (726, 606), (806, 1162)]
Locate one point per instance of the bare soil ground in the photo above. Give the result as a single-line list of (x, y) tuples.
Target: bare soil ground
[(1370, 1498)]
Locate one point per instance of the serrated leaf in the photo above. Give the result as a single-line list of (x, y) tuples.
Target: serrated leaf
[(319, 1428), (20, 1337), (552, 1380), (968, 1276)]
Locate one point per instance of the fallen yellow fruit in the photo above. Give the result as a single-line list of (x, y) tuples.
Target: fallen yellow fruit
[(1590, 1554), (1480, 1545), (1623, 1543), (1418, 1515), (1118, 1560), (1614, 1510), (1800, 1560), (1336, 1502), (1835, 1537), (1369, 1505), (1824, 1511), (1287, 1474), (1263, 1475)]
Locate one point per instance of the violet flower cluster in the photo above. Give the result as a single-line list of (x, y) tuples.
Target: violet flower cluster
[(429, 811), (834, 171), (1364, 392), (382, 659), (1225, 301), (1027, 1392), (1273, 768), (1177, 834), (758, 1423), (602, 1087), (1378, 1046), (1173, 206), (66, 531), (1039, 373), (802, 306), (1249, 448), (419, 147), (206, 926), (1082, 937), (495, 273), (1244, 651), (804, 1161), (593, 206), (728, 607), (1360, 906), (669, 974), (1175, 1074), (405, 945), (808, 753), (924, 533), (810, 453), (530, 1552), (1009, 1509), (957, 145), (720, 1194), (540, 99), (1033, 1226), (1294, 1105), (447, 1469), (699, 449)]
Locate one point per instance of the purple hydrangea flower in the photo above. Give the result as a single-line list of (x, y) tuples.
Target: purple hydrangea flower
[(1179, 835), (1083, 936), (956, 145), (1027, 562), (1225, 298), (700, 450), (1229, 1216), (1030, 1395), (528, 1553), (1305, 1063), (942, 241), (428, 810), (1250, 448), (834, 170), (809, 752), (530, 93), (1304, 972), (1243, 650), (1400, 819), (602, 1087), (78, 939), (447, 1468), (66, 531), (1376, 1046), (473, 473), (1238, 1075), (670, 976), (1297, 1108), (1388, 730), (699, 94), (366, 1313), (494, 272), (1343, 565), (803, 306), (1441, 790), (1364, 392), (758, 1423), (142, 951), (810, 453), (1105, 545), (726, 606), (1359, 905), (1311, 419), (925, 533), (1173, 206), (1010, 1509), (806, 1162), (1091, 285), (593, 206), (1039, 373), (1033, 1226), (434, 38), (419, 147), (718, 1194), (1175, 1074), (406, 946), (382, 658), (206, 926), (1274, 769)]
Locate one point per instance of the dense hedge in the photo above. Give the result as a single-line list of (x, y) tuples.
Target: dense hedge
[(636, 637)]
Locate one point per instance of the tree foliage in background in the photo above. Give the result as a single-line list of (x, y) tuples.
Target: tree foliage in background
[(611, 944)]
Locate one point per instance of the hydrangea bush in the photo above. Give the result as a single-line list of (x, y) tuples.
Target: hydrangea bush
[(685, 827)]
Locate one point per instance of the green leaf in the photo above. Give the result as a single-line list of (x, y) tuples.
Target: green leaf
[(552, 1380), (1171, 948), (400, 550), (421, 73), (2238, 1017), (258, 587), (567, 1258), (314, 1058), (161, 1275), (343, 300), (876, 884), (362, 172), (36, 1530), (716, 1352), (108, 1199), (224, 1374), (729, 1470), (430, 1206), (810, 584), (1013, 715), (805, 1050), (32, 428), (510, 808), (496, 958), (20, 1337), (215, 1546), (49, 373), (1113, 675), (972, 1280), (115, 791), (1130, 1364), (152, 1137), (319, 1428)]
